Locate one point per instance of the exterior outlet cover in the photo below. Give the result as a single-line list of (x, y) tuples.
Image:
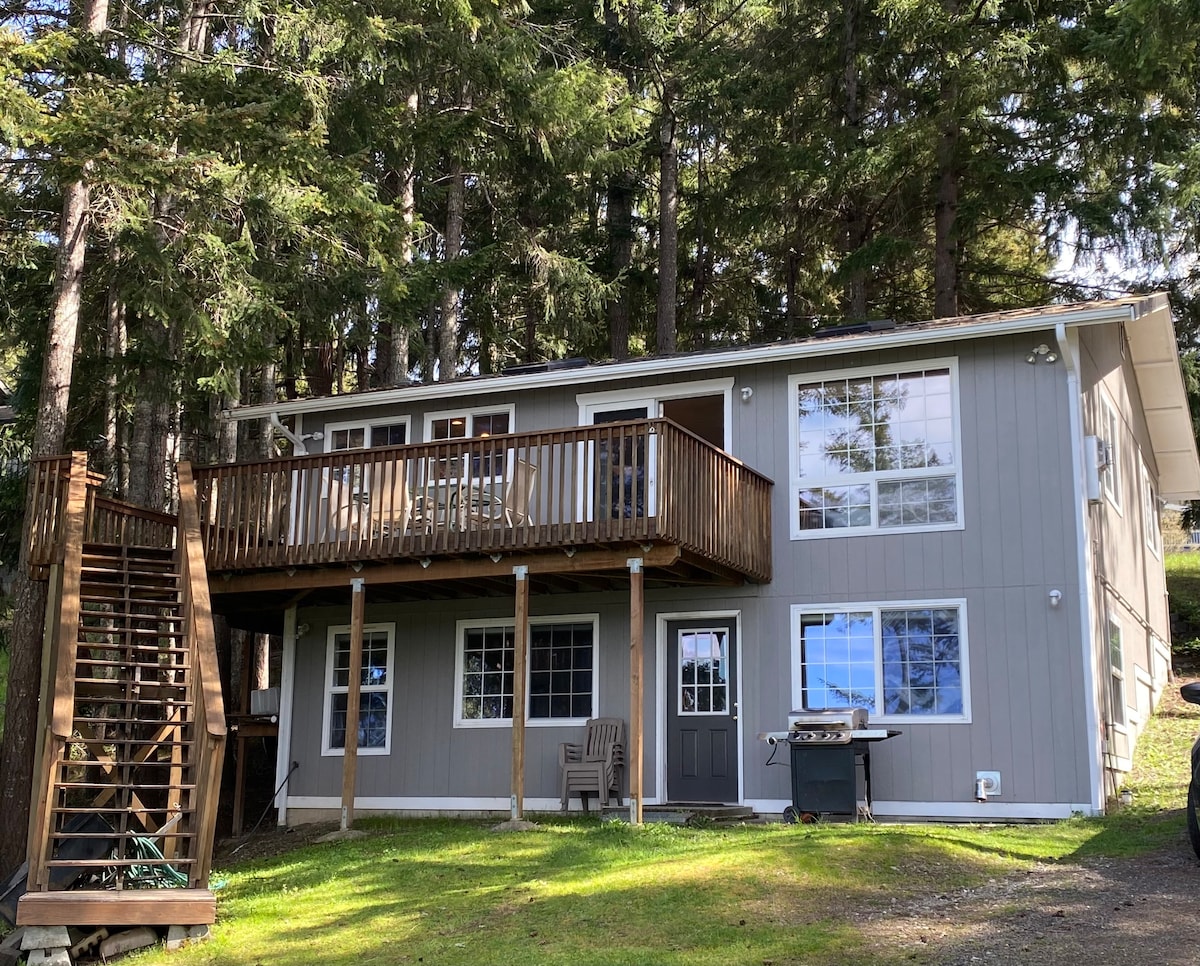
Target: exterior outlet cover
[(991, 780)]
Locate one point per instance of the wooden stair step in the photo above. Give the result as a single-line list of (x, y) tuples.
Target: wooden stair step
[(119, 785), (151, 907), (105, 862)]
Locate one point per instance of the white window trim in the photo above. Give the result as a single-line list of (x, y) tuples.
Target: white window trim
[(959, 603), (1152, 524), (470, 411), (459, 637), (1110, 477), (795, 480), (365, 425), (1117, 673), (327, 687)]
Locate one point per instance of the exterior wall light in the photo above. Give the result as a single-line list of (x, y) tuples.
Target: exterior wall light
[(1043, 352)]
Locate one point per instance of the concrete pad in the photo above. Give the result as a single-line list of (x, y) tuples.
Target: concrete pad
[(49, 957), (127, 941), (45, 937), (343, 836)]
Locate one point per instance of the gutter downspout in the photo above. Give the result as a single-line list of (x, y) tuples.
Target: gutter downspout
[(1069, 350), (298, 447)]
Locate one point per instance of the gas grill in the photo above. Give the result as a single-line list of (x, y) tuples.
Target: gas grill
[(827, 746)]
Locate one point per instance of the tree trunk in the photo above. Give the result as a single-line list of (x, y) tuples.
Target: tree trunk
[(668, 223), (620, 257), (49, 439), (854, 216), (945, 212), (448, 341), (945, 219), (114, 356), (392, 352)]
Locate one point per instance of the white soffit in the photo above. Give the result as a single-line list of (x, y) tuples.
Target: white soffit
[(1155, 358)]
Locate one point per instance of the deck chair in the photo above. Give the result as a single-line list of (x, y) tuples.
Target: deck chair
[(391, 505), (594, 766), (509, 502)]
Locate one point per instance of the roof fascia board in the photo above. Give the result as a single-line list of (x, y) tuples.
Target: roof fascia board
[(1118, 312)]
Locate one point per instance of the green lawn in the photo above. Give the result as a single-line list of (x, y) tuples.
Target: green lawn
[(569, 892)]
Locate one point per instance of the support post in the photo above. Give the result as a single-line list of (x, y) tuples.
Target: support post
[(353, 701), (520, 647), (636, 661)]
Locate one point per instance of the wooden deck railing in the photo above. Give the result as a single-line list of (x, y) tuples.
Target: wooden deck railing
[(211, 731), (640, 481), (106, 521)]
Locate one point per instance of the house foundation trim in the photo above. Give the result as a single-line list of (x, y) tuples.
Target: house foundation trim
[(991, 810)]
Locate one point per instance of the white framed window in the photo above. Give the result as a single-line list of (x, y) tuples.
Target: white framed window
[(363, 435), (875, 450), (375, 689), (1151, 518), (703, 672), (1110, 477), (561, 671), (1116, 666), (901, 661), (471, 424)]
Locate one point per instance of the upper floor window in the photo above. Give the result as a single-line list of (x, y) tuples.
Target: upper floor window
[(464, 425), (1150, 514), (360, 435), (1111, 430), (876, 450), (892, 659)]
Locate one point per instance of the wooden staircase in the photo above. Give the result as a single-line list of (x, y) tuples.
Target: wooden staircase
[(122, 828)]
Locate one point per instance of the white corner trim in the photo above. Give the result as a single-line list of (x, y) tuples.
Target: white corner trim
[(1068, 347), (287, 687)]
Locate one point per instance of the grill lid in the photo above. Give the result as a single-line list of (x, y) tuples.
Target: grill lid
[(827, 719)]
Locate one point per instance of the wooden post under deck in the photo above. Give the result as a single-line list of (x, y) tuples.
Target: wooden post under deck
[(520, 646), (353, 701), (636, 652)]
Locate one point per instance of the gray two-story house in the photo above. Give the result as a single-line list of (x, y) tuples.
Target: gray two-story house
[(953, 524)]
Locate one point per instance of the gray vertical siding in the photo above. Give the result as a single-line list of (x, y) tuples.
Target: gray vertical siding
[(1018, 542)]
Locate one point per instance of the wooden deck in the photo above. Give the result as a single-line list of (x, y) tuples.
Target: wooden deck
[(617, 486)]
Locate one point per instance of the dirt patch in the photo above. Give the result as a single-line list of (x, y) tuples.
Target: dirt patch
[(1102, 912), (268, 843)]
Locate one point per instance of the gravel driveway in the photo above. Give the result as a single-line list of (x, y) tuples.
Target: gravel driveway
[(1100, 912)]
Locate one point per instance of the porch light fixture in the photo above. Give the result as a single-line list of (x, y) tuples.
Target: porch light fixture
[(495, 557), (425, 562), (747, 392), (1043, 352)]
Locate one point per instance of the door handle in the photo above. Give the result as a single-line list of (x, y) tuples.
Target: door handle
[(735, 711)]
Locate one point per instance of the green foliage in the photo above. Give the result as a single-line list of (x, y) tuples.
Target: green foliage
[(1183, 586)]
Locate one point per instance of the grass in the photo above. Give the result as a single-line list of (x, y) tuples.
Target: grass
[(1183, 585), (454, 892)]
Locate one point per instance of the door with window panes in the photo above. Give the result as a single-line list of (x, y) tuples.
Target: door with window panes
[(702, 745)]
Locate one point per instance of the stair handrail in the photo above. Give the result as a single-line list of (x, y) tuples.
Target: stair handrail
[(60, 683), (197, 614)]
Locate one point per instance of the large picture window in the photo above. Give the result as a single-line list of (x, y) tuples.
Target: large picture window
[(895, 660), (375, 689), (561, 671), (875, 450)]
